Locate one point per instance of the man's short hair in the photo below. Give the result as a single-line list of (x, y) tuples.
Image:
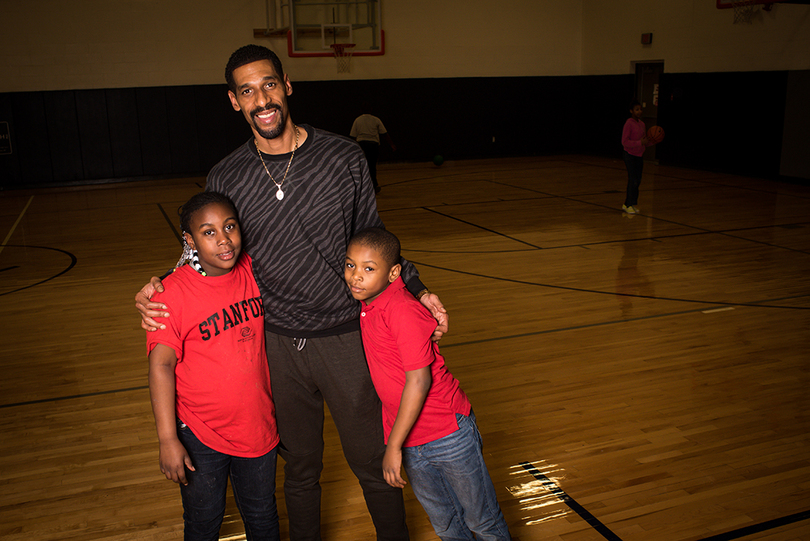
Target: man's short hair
[(247, 55), (381, 240)]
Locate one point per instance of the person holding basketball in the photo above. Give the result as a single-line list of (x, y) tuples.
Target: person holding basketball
[(634, 141)]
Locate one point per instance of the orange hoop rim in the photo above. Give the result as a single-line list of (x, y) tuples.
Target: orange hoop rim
[(340, 48)]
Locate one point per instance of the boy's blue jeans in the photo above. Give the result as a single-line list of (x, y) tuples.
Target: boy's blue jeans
[(254, 488), (451, 481)]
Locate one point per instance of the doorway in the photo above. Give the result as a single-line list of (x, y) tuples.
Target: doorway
[(647, 91)]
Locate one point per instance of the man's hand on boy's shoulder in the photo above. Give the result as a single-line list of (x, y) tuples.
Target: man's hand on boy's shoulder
[(431, 302), (148, 309)]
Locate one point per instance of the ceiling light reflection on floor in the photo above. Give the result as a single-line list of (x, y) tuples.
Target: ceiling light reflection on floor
[(537, 497)]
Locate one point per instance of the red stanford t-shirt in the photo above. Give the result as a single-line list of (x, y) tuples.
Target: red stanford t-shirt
[(216, 329)]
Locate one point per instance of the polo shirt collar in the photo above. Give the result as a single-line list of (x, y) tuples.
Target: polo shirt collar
[(386, 296)]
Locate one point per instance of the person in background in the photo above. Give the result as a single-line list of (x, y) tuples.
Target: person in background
[(634, 142), (367, 130)]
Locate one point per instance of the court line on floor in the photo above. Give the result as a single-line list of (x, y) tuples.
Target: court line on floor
[(565, 329), (755, 304), (715, 310), (700, 230), (85, 395), (606, 532), (656, 238), (481, 227), (714, 178), (171, 224), (586, 515), (761, 527), (574, 328), (13, 227), (577, 199), (541, 195), (73, 262), (444, 346)]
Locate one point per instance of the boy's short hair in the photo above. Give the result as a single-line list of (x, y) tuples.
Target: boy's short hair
[(201, 200), (381, 240), (248, 55)]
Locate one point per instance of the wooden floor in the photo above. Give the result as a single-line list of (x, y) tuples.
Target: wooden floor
[(634, 377)]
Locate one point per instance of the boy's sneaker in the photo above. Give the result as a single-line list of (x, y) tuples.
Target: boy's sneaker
[(629, 209)]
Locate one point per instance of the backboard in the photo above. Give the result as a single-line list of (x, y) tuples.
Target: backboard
[(745, 10), (316, 25)]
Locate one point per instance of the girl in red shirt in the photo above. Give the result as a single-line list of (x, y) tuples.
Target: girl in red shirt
[(210, 382)]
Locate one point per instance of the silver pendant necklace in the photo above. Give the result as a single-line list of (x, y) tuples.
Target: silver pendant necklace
[(279, 192)]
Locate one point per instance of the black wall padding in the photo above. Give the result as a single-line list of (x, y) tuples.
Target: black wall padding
[(731, 122)]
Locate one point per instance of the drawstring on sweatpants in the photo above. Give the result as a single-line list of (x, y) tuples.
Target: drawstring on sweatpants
[(299, 343)]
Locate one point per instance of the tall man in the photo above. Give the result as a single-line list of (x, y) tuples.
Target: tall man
[(301, 194)]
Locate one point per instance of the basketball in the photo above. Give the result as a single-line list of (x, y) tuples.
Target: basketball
[(438, 160), (655, 135)]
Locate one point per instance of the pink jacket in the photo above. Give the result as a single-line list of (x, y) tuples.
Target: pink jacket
[(632, 133)]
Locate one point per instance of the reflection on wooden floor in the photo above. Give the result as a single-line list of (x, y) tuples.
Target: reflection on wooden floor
[(642, 377)]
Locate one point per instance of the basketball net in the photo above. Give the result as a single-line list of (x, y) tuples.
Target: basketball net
[(743, 10), (343, 55)]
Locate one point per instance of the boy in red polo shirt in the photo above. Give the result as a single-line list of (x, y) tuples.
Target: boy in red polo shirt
[(428, 422)]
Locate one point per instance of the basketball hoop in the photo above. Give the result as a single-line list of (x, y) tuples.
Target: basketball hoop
[(743, 10), (343, 55)]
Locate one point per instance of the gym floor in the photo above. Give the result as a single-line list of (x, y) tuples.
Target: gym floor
[(634, 377)]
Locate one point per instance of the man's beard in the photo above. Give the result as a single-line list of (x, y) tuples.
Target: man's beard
[(269, 133)]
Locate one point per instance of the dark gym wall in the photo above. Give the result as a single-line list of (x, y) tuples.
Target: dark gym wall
[(718, 121), (795, 157), (458, 118), (92, 135), (730, 122)]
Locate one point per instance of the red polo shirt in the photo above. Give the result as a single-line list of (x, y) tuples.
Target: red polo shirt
[(396, 337)]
